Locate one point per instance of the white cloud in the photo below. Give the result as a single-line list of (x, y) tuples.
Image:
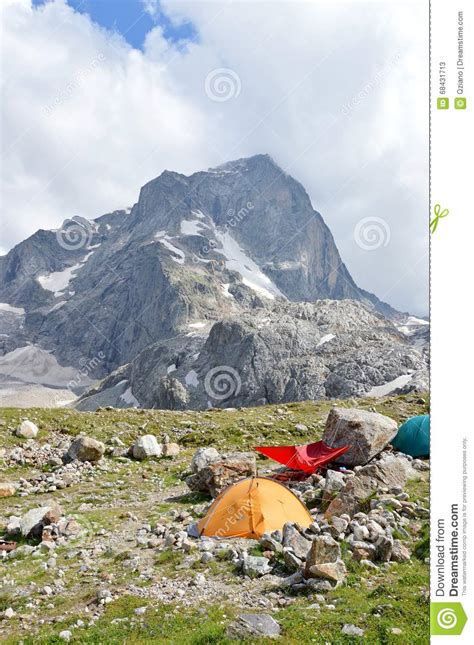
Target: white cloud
[(87, 120)]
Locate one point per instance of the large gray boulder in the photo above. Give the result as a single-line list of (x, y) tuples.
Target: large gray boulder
[(251, 626), (27, 429), (226, 470), (293, 540), (202, 458), (367, 434), (324, 561), (85, 449), (145, 447), (32, 523), (256, 566)]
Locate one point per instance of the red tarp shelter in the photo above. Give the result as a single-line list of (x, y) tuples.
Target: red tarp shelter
[(307, 458)]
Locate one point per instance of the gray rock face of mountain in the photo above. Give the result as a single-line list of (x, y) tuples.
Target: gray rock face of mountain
[(279, 353), (194, 255)]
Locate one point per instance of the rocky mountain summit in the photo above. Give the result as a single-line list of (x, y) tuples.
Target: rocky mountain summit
[(230, 267)]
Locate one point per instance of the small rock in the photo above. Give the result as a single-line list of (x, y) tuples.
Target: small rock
[(384, 546), (400, 552), (84, 449), (202, 458), (33, 522), (352, 630), (270, 544), (145, 447), (334, 481), (170, 449), (65, 635), (253, 625), (256, 566), (323, 549), (335, 572), (293, 539), (300, 427), (27, 430), (7, 489), (9, 613), (291, 561)]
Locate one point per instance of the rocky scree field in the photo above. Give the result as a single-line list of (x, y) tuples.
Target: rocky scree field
[(102, 552)]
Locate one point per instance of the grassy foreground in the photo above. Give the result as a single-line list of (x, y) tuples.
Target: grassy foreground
[(391, 605)]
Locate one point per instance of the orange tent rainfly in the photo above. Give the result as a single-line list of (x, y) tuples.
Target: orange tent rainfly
[(307, 458), (252, 507)]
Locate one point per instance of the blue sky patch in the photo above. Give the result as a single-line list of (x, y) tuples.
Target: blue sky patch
[(132, 21)]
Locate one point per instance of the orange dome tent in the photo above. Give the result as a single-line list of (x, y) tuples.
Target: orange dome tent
[(252, 507)]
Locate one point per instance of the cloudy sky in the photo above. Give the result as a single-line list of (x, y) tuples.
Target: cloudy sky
[(100, 96)]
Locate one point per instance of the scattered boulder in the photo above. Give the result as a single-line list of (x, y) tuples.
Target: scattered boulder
[(383, 548), (220, 473), (335, 481), (36, 519), (255, 566), (292, 539), (65, 635), (170, 449), (202, 458), (292, 562), (324, 560), (367, 434), (27, 430), (145, 447), (84, 449), (253, 625), (335, 572), (7, 489), (400, 552), (352, 630)]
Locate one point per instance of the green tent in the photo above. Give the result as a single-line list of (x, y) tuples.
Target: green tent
[(413, 437)]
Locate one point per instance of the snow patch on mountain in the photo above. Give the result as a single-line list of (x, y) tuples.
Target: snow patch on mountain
[(326, 339), (238, 260), (58, 281), (383, 390), (128, 398), (177, 255), (191, 227), (19, 311)]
